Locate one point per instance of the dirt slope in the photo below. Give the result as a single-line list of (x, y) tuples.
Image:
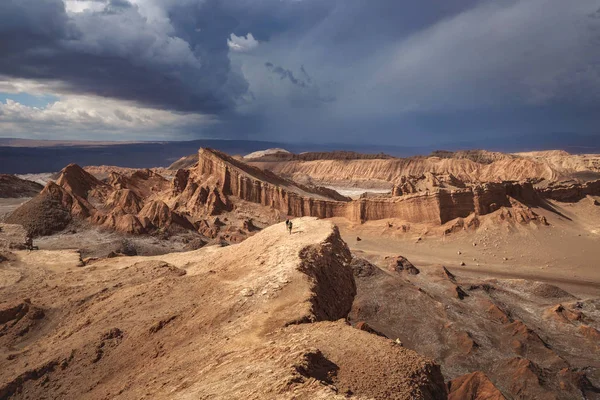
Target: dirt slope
[(14, 187), (213, 323), (533, 340)]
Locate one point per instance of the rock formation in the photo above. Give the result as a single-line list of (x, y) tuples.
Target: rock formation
[(468, 166), (145, 201), (473, 386), (447, 200), (123, 204), (48, 212), (571, 191)]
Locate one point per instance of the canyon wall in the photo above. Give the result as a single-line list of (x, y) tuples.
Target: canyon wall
[(571, 192), (434, 207)]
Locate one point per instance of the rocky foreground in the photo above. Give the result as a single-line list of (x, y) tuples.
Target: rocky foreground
[(285, 316), (262, 319)]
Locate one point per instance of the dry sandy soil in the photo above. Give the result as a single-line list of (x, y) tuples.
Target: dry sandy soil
[(254, 320), (9, 205), (565, 253)]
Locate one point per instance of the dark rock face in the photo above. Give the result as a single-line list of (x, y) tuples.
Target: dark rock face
[(181, 180), (48, 212), (362, 268), (335, 288), (401, 264), (13, 187), (363, 326)]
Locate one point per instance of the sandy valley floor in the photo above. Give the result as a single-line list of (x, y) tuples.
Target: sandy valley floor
[(565, 253)]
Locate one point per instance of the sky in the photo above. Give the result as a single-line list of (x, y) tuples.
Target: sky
[(401, 72)]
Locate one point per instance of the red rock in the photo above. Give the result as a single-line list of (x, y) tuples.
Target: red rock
[(497, 314), (473, 386)]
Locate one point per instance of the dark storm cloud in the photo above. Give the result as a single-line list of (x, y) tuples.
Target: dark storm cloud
[(396, 70), (118, 53)]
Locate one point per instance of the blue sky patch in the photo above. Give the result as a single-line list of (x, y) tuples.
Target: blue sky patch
[(29, 100)]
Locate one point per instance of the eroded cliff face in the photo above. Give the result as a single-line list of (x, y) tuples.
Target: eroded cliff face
[(433, 199), (571, 191), (475, 166), (224, 175), (375, 173)]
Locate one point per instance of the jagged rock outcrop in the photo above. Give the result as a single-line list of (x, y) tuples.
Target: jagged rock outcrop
[(56, 205), (79, 195), (48, 212), (180, 180), (426, 182), (78, 182), (156, 214), (234, 178), (152, 202), (123, 222), (126, 200), (474, 386), (401, 264), (143, 183)]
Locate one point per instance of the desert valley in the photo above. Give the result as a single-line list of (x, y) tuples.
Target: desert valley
[(299, 200), (460, 275)]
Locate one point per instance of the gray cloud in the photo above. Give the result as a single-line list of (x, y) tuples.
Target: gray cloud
[(395, 70), (119, 53), (285, 74)]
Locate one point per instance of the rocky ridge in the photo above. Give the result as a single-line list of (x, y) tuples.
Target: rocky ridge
[(438, 206), (146, 202), (14, 187), (474, 166)]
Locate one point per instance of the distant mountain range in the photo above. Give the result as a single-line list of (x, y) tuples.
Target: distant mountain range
[(21, 156)]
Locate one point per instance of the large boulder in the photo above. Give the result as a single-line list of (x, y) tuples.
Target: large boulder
[(401, 264)]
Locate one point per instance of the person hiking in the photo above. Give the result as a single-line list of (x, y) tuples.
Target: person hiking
[(29, 243), (290, 227), (287, 223)]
